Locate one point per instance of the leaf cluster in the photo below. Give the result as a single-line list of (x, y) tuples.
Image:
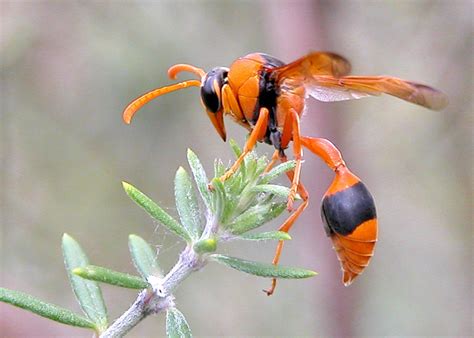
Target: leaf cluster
[(210, 212)]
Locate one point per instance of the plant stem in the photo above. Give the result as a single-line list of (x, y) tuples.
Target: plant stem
[(160, 297), (135, 314)]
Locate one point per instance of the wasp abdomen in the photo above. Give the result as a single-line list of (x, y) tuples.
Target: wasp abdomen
[(350, 220), (345, 210)]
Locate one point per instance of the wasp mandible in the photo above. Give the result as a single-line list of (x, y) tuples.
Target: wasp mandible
[(267, 97)]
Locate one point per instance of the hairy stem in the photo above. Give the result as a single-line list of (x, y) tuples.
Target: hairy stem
[(160, 297), (135, 314)]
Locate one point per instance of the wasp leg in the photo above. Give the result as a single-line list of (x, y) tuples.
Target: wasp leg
[(321, 147), (231, 106), (298, 155), (257, 133), (275, 157), (286, 226)]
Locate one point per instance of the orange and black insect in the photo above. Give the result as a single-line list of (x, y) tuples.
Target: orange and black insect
[(267, 97)]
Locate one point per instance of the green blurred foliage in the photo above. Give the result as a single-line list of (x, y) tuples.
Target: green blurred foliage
[(69, 68)]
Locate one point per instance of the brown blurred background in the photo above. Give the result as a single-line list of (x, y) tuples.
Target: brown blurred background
[(68, 69)]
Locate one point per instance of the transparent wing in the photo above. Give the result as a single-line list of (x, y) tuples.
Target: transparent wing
[(328, 88), (327, 94)]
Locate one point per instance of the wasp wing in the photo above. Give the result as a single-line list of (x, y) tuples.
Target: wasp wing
[(328, 88), (324, 77), (316, 63)]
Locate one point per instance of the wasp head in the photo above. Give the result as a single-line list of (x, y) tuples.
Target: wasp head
[(211, 84), (211, 97)]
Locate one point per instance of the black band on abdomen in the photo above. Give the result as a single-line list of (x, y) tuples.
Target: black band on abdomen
[(345, 210)]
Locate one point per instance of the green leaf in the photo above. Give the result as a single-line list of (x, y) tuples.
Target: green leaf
[(235, 184), (262, 163), (205, 245), (235, 148), (47, 310), (176, 325), (88, 293), (262, 269), (237, 152), (251, 166), (200, 177), (255, 216), (219, 168), (263, 236), (143, 256), (274, 189), (187, 203), (104, 275), (218, 197), (156, 212), (277, 171)]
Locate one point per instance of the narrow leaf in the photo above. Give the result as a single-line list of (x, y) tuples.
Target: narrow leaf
[(47, 310), (219, 168), (187, 204), (263, 236), (237, 152), (104, 275), (251, 166), (262, 163), (176, 324), (88, 293), (262, 269), (235, 184), (143, 256), (278, 170), (200, 177), (274, 189), (218, 197), (156, 212), (235, 148), (256, 216)]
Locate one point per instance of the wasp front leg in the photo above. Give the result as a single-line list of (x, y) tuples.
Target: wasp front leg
[(257, 133)]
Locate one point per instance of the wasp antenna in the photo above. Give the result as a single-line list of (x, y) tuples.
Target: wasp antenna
[(139, 102), (174, 70)]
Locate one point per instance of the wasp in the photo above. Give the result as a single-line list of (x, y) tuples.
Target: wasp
[(268, 98)]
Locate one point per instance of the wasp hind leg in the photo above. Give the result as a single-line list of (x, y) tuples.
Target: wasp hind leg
[(288, 224), (292, 126)]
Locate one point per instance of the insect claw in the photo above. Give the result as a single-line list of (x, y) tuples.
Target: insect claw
[(272, 288), (289, 205)]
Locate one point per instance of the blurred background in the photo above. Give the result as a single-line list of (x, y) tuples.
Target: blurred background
[(68, 69)]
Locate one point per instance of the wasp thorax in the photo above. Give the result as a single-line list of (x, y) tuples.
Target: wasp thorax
[(211, 88)]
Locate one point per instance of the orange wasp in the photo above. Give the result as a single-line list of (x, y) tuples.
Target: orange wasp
[(267, 96)]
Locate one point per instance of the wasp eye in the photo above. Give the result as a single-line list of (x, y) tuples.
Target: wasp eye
[(213, 81), (209, 96)]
